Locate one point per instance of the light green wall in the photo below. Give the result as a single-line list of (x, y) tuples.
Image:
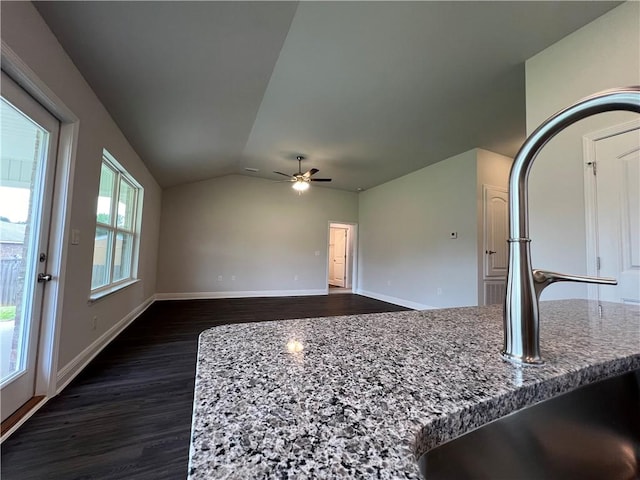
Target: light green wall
[(259, 231), (405, 250)]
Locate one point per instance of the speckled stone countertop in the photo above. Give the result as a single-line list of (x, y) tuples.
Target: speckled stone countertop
[(368, 394)]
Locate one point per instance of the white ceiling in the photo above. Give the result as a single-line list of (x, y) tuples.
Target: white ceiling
[(368, 91)]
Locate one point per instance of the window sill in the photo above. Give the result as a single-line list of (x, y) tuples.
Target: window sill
[(94, 297)]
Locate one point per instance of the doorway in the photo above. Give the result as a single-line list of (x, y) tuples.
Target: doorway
[(29, 137), (495, 233), (612, 191), (340, 268)]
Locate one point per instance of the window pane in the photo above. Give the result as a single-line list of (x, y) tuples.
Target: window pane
[(23, 156), (101, 257), (124, 250), (107, 187), (126, 205)]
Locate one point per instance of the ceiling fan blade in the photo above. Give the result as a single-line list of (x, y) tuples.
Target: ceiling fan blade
[(313, 171), (285, 174), (320, 179)]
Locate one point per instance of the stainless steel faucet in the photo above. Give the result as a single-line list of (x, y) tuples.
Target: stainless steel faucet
[(524, 285)]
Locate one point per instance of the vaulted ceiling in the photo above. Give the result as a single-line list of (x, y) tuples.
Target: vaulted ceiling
[(367, 91)]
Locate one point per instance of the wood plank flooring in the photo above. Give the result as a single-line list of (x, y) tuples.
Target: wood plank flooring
[(128, 414)]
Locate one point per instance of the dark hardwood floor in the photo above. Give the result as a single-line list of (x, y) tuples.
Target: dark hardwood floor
[(128, 414)]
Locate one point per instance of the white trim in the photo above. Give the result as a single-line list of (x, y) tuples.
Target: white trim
[(591, 199), (75, 366), (24, 76), (239, 294), (396, 301), (352, 267), (60, 227), (121, 175), (113, 288)]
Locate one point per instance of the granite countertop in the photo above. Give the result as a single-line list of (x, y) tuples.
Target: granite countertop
[(366, 395)]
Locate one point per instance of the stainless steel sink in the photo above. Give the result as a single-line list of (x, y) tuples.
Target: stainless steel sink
[(590, 433)]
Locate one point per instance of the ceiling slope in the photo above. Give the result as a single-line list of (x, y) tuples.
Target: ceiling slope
[(183, 80), (373, 91), (368, 91)]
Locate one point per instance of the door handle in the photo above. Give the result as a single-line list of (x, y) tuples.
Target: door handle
[(44, 277), (490, 252)]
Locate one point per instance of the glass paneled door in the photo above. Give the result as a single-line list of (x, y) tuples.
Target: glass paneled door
[(28, 145)]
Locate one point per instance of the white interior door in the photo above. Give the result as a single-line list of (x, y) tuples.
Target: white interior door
[(29, 139), (617, 180), (496, 228), (332, 234), (338, 256)]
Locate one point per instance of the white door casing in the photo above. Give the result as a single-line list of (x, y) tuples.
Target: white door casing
[(612, 194), (21, 386), (618, 190), (495, 234), (338, 254), (332, 234), (59, 232)]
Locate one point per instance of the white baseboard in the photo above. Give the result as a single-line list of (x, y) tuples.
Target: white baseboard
[(75, 366), (395, 300), (240, 294)]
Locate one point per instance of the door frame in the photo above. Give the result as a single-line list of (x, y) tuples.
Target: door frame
[(590, 195), (484, 278), (18, 386), (352, 253), (486, 188), (59, 232)]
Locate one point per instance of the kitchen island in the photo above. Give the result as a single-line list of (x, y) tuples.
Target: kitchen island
[(366, 395)]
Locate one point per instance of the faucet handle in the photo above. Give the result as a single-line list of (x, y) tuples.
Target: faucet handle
[(543, 278)]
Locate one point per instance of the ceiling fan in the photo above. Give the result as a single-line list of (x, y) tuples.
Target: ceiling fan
[(301, 181)]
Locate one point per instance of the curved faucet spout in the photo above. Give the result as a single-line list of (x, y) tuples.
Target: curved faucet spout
[(543, 278), (521, 316)]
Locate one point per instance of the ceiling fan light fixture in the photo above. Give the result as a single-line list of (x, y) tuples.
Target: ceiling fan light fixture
[(301, 181), (300, 185)]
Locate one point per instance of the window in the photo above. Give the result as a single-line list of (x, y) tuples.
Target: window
[(117, 228)]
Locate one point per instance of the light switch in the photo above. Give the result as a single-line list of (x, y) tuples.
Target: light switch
[(75, 236)]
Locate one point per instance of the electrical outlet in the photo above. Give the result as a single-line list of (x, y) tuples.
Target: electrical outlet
[(219, 278), (439, 291), (295, 278), (388, 283), (233, 278)]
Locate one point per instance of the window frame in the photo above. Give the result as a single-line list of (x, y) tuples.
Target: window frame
[(121, 175)]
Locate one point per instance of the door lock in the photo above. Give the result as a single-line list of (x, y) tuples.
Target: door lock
[(44, 277)]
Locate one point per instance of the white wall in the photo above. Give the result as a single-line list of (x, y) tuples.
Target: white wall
[(24, 32), (405, 250), (603, 54), (259, 231)]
